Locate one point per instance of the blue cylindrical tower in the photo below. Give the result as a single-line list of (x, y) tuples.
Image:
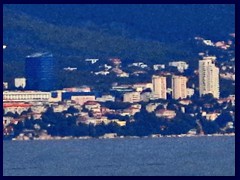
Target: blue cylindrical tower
[(39, 69)]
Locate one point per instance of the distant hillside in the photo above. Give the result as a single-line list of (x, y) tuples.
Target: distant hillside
[(25, 35), (161, 22), (150, 33)]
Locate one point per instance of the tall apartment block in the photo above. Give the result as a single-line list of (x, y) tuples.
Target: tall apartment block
[(208, 77), (159, 87), (179, 87)]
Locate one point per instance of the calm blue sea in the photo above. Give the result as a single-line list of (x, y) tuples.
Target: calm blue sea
[(188, 156)]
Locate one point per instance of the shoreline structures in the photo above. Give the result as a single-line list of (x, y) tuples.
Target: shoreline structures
[(113, 136)]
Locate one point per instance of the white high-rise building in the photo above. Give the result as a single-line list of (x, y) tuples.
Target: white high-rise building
[(179, 87), (159, 87), (208, 77)]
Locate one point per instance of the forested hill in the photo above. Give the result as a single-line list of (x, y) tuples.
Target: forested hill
[(152, 33), (157, 22)]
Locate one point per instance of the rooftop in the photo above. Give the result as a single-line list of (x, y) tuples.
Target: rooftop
[(40, 54)]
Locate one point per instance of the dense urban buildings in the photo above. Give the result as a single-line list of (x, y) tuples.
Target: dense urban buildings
[(208, 77), (153, 99), (39, 69)]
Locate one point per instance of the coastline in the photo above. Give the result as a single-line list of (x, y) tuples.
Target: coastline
[(47, 137)]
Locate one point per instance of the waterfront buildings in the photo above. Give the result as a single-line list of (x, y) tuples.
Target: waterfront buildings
[(208, 77)]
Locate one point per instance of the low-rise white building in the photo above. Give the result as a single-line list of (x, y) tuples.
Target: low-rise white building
[(7, 120), (190, 92), (96, 121), (185, 101), (210, 116), (60, 108), (180, 65), (139, 64), (109, 135), (5, 85), (132, 97), (158, 66), (165, 113), (81, 99), (70, 69), (151, 107), (92, 105), (20, 82), (105, 98), (122, 88), (107, 67), (38, 108), (78, 89), (102, 73), (120, 123), (26, 96), (123, 74), (208, 42), (92, 61), (230, 98), (229, 76), (141, 86)]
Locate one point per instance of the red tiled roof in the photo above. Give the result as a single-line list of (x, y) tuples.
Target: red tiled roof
[(5, 105), (91, 103)]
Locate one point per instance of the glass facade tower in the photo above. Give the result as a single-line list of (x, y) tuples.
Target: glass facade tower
[(39, 69)]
